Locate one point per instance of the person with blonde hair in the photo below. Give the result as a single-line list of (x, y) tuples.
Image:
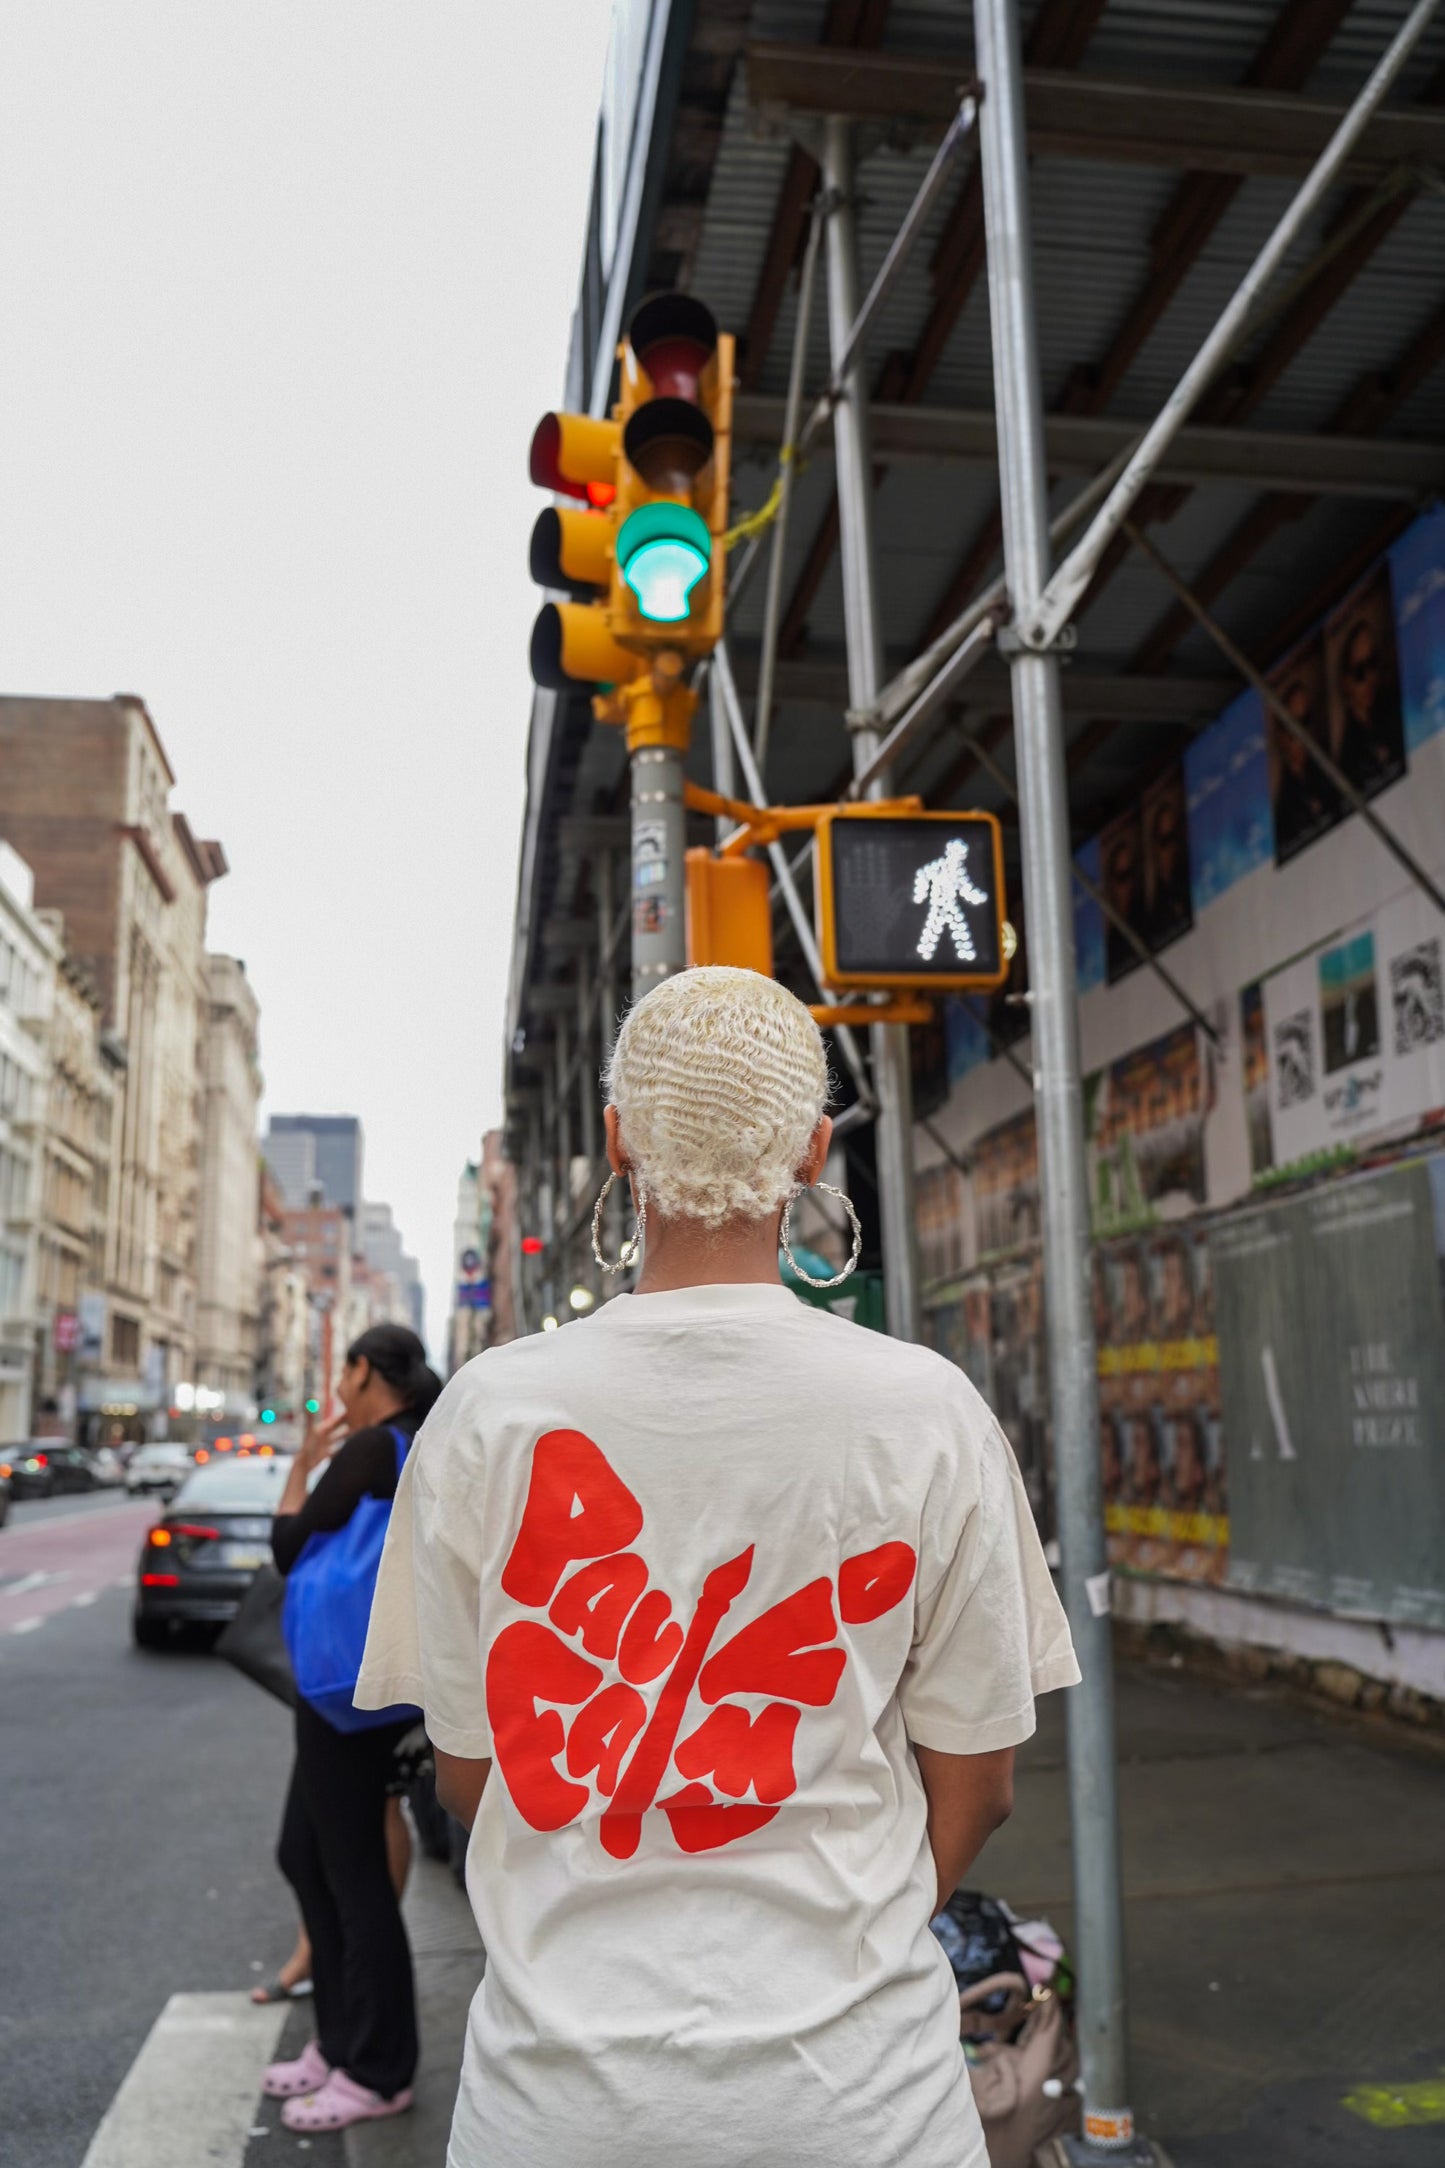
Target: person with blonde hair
[(727, 1616)]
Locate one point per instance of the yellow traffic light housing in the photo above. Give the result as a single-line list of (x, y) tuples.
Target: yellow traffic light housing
[(640, 553), (673, 478)]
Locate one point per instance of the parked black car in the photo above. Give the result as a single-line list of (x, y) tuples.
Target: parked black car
[(5, 1494), (202, 1555), (70, 1467), (29, 1468)]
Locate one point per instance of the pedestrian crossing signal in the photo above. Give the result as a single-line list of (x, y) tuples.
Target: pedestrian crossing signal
[(911, 900)]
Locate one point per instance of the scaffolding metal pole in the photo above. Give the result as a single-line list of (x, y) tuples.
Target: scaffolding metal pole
[(1051, 609), (895, 262), (892, 1074), (1048, 875), (789, 457)]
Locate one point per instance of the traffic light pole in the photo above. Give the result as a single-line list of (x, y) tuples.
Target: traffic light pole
[(1052, 996), (892, 1075)]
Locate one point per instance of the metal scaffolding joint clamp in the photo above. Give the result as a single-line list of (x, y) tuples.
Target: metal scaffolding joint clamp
[(1017, 639)]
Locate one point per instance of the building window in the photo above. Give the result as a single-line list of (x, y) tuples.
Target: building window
[(125, 1341)]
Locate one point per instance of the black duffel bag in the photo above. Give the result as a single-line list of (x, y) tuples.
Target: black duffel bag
[(254, 1642)]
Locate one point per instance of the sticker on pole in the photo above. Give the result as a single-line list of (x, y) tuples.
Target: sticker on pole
[(911, 899)]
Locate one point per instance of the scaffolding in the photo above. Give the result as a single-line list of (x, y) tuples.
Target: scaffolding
[(1022, 622)]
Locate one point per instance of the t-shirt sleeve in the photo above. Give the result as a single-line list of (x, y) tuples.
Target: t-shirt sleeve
[(424, 1641), (990, 1632)]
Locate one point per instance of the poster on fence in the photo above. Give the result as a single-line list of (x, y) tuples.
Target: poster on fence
[(1165, 1487), (1144, 1132), (1332, 1387), (1355, 1032)]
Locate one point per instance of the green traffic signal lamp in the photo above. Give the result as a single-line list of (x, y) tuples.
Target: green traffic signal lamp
[(313, 1407), (268, 1415), (663, 550)]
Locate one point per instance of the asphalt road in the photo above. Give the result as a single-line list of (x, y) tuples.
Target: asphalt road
[(139, 1808)]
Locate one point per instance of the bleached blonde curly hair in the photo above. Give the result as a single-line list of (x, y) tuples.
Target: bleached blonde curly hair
[(719, 1079)]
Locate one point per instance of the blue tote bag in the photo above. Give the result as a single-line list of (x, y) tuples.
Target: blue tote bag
[(328, 1608)]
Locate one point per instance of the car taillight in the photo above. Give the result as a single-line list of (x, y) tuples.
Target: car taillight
[(160, 1580), (42, 1460), (202, 1456), (6, 1471), (195, 1531), (159, 1538)]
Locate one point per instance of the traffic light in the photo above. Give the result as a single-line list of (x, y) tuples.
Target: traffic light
[(313, 1407), (673, 478), (572, 549), (640, 552), (911, 900)]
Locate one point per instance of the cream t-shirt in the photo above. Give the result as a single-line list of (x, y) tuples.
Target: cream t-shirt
[(693, 1571)]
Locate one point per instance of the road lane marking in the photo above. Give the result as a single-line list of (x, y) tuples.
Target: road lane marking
[(26, 1625), (191, 2093), (28, 1581), (88, 1596)]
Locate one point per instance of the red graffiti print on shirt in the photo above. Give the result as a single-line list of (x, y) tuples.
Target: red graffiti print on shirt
[(574, 1558)]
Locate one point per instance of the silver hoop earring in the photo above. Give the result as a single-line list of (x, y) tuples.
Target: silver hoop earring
[(847, 1203), (631, 1249)]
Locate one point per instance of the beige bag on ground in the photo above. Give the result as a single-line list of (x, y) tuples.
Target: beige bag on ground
[(1008, 2075)]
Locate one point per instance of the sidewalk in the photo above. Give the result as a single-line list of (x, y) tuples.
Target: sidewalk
[(1284, 1879), (449, 1959), (1285, 1912)]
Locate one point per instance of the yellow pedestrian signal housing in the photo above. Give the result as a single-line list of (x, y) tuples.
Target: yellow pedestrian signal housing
[(639, 553), (910, 900), (729, 911)]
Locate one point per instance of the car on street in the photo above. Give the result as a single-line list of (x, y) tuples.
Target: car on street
[(203, 1554), (70, 1468), (163, 1467), (29, 1468), (107, 1467)]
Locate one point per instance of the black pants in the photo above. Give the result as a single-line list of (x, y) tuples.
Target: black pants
[(333, 1853)]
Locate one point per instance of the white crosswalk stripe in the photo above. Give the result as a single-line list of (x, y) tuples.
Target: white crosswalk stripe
[(192, 2092)]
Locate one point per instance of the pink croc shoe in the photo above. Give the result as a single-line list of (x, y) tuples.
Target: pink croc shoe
[(307, 2074), (341, 2102)]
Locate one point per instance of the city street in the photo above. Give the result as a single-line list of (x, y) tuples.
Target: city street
[(1284, 1870)]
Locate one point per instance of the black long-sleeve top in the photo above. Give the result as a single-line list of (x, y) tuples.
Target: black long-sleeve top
[(364, 1467)]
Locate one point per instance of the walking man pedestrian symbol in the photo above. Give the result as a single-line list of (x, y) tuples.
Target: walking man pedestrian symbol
[(943, 884)]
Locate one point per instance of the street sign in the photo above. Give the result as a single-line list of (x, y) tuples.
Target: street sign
[(471, 1262), (911, 900), (67, 1331), (474, 1294)]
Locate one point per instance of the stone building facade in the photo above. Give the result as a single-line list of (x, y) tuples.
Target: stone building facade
[(80, 1102), (229, 1264), (85, 791)]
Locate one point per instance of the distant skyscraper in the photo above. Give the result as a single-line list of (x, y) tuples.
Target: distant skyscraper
[(291, 1156), (338, 1144), (382, 1247)]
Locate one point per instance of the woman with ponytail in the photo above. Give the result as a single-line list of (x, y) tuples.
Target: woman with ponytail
[(333, 1848)]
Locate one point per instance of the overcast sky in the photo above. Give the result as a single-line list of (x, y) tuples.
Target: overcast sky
[(285, 286)]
